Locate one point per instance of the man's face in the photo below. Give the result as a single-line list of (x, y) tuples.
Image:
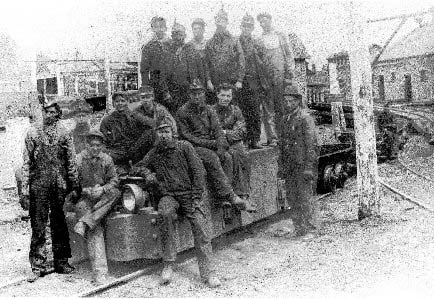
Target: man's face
[(164, 135), (221, 24), (197, 97), (291, 104), (50, 115), (147, 100), (160, 29), (178, 37), (265, 24), (120, 103), (95, 146), (224, 97), (198, 31), (247, 29)]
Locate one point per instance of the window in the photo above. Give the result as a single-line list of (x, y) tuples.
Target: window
[(423, 76), (393, 77)]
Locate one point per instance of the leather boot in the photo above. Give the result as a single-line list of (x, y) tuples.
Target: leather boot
[(34, 276), (167, 273), (63, 267), (213, 281)]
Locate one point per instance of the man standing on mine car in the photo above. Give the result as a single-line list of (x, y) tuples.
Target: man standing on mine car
[(224, 55), (99, 183), (199, 124), (255, 84), (180, 175), (185, 66), (234, 129), (153, 64), (298, 162), (49, 174)]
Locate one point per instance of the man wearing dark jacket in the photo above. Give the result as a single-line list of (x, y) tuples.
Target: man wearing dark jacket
[(129, 135), (224, 55), (154, 61), (255, 84), (298, 162), (49, 174), (199, 124), (186, 65), (180, 176)]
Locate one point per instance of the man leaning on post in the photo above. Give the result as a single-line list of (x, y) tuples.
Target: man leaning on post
[(180, 176)]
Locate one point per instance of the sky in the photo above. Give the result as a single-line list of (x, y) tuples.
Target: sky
[(117, 28)]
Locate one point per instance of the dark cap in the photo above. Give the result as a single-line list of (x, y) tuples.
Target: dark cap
[(163, 122), (263, 15), (94, 133), (146, 89), (155, 20), (196, 85), (221, 15), (178, 27), (248, 19), (198, 21)]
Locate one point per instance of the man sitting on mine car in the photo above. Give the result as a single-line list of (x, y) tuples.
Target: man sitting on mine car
[(151, 110), (180, 176), (129, 135), (298, 162), (234, 129), (199, 124), (99, 183)]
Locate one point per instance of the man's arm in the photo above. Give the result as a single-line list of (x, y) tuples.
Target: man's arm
[(111, 175), (238, 131), (288, 54), (27, 160), (145, 65), (217, 130), (310, 142), (71, 163), (241, 71), (186, 134)]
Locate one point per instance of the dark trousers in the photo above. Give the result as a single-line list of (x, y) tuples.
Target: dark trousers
[(217, 172), (241, 169), (47, 201), (179, 94), (300, 196), (249, 103), (186, 206)]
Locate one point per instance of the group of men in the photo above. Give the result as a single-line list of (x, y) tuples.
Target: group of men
[(175, 140)]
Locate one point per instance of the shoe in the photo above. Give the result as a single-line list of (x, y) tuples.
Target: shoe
[(213, 281), (166, 274), (34, 276), (100, 280), (80, 228), (63, 268)]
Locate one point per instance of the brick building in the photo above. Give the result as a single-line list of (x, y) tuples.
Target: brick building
[(404, 72), (341, 61)]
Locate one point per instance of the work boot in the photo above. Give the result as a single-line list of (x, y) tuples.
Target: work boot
[(35, 275), (63, 267), (98, 280), (255, 145), (167, 273), (213, 281)]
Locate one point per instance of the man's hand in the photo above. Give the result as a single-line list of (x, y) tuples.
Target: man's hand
[(97, 191), (151, 178), (209, 85), (25, 202), (238, 85)]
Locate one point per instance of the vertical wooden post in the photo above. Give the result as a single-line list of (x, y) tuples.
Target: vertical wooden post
[(367, 174), (109, 103)]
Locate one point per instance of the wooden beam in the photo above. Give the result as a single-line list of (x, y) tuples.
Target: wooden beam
[(430, 10), (367, 173)]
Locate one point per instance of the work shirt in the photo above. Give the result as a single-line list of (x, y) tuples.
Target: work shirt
[(232, 121), (178, 168), (99, 170), (225, 59), (153, 64), (157, 112), (49, 157), (200, 126), (299, 142)]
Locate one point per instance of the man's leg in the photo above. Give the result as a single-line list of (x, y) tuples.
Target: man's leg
[(167, 208), (97, 254), (268, 117), (249, 105), (242, 170)]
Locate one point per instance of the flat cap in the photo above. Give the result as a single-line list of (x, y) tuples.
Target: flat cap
[(95, 133), (263, 15), (177, 27), (146, 89), (221, 15), (248, 19), (163, 122), (196, 85), (198, 21), (155, 20)]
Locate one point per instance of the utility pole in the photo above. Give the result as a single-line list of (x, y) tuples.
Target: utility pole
[(108, 103), (367, 173)]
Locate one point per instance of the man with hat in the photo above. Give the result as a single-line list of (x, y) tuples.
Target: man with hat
[(298, 162), (152, 110), (282, 64), (179, 172), (185, 66), (224, 55), (99, 183), (256, 81), (49, 174), (199, 124), (154, 67), (129, 135)]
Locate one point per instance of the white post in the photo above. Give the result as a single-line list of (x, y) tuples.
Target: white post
[(367, 174)]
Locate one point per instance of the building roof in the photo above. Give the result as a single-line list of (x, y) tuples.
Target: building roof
[(419, 42)]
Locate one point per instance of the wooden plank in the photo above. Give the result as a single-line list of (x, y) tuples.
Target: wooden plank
[(367, 173)]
